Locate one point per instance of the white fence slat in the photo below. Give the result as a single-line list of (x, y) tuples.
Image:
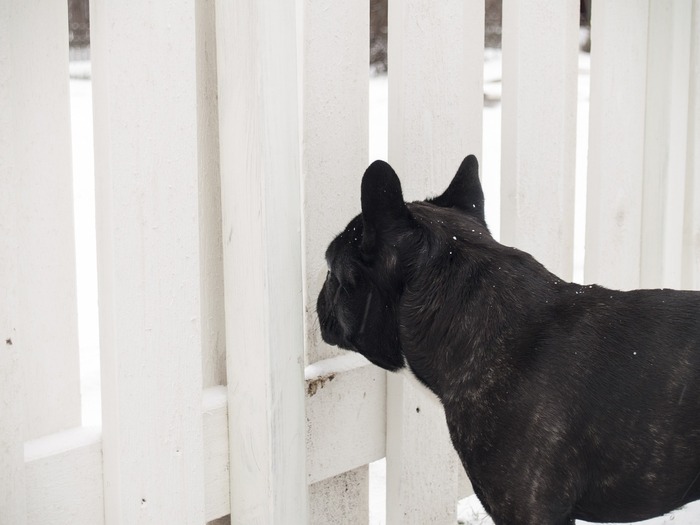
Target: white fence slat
[(144, 92), (435, 116), (346, 415), (616, 142), (341, 500), (666, 127), (12, 478), (335, 116), (260, 188), (435, 101), (38, 107), (51, 462), (216, 470), (691, 227), (64, 478), (421, 464), (540, 68), (335, 137), (210, 242)]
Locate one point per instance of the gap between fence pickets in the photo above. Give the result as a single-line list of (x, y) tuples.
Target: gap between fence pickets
[(64, 470)]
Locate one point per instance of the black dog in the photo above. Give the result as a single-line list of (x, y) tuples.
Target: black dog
[(563, 401)]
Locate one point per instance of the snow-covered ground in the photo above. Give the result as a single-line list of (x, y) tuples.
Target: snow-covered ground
[(469, 510)]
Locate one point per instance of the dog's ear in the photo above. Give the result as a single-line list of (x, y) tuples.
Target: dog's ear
[(464, 192), (383, 207)]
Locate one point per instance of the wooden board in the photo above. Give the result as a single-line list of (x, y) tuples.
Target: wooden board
[(41, 183), (665, 144), (619, 33), (261, 225), (435, 116), (540, 69), (691, 227), (146, 180)]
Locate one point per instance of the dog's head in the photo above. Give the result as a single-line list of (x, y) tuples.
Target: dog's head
[(370, 261)]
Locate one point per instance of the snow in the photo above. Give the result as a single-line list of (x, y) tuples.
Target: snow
[(469, 510)]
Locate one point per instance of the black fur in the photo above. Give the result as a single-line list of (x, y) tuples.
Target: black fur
[(563, 401)]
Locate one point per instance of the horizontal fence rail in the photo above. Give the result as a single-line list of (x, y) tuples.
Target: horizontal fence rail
[(230, 139)]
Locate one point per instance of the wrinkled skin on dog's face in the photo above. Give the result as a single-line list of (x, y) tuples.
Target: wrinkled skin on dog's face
[(563, 401)]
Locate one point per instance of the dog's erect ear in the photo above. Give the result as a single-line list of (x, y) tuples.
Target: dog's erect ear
[(382, 203), (464, 192)]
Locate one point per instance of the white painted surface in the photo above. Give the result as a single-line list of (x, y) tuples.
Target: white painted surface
[(210, 243), (258, 130), (64, 478), (679, 517), (538, 168), (148, 260), (335, 138), (691, 227), (616, 143), (346, 418), (666, 127), (12, 480), (13, 507), (34, 80), (216, 465), (341, 500), (435, 97), (422, 466), (64, 470), (435, 115)]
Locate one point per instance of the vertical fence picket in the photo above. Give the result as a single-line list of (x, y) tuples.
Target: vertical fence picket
[(335, 47), (12, 475), (12, 479), (39, 110), (691, 227), (210, 238), (435, 115), (665, 145), (616, 142), (258, 130), (335, 135), (342, 499), (148, 260), (540, 49)]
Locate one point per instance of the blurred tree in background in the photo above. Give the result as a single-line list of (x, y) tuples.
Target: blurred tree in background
[(79, 23)]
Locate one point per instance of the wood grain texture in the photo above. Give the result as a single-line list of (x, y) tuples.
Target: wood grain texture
[(691, 226), (435, 116), (335, 46), (665, 144), (616, 143), (38, 106), (540, 70), (345, 414), (261, 201), (146, 171), (64, 478)]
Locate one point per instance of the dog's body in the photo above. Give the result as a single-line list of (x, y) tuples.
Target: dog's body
[(563, 401)]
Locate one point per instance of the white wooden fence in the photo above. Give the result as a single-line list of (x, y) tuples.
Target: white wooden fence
[(229, 144)]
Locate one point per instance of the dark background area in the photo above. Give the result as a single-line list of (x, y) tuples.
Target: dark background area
[(79, 23)]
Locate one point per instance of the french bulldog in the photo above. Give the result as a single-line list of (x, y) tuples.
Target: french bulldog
[(563, 401)]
